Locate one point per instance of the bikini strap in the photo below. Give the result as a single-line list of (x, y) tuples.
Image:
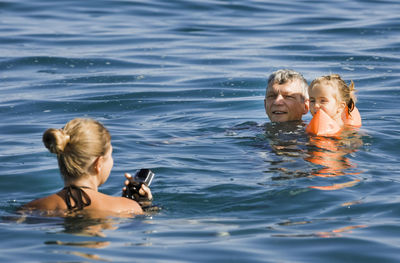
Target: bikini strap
[(81, 198)]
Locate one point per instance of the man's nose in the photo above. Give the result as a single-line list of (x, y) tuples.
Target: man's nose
[(278, 99)]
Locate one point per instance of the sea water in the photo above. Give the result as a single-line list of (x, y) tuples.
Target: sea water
[(180, 85)]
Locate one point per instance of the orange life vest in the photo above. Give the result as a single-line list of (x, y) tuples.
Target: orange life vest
[(353, 119), (323, 125)]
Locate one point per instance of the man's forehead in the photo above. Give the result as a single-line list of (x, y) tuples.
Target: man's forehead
[(292, 86)]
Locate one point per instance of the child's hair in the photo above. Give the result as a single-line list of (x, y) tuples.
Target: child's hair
[(77, 145), (346, 92)]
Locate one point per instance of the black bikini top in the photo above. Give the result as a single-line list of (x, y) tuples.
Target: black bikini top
[(80, 197)]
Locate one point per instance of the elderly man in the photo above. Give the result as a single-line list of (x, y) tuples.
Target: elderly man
[(286, 97)]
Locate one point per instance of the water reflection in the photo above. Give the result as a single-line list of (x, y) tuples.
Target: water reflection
[(88, 231), (87, 226), (331, 154), (89, 244), (288, 143), (286, 139), (331, 157), (79, 224), (338, 232), (85, 244), (295, 154)]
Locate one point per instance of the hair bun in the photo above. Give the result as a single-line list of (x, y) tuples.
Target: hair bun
[(55, 140)]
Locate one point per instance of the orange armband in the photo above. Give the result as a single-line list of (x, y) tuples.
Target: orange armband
[(353, 118), (323, 125)]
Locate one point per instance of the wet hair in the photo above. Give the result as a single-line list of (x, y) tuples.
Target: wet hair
[(346, 92), (77, 144), (283, 76)]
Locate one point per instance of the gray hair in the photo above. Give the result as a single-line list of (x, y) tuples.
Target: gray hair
[(283, 76)]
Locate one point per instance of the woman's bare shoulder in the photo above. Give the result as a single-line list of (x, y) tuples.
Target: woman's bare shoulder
[(51, 202), (100, 204), (116, 204)]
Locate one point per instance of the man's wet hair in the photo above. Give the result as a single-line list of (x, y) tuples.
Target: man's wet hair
[(283, 76)]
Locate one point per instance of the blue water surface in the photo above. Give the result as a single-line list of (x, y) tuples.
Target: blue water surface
[(180, 85)]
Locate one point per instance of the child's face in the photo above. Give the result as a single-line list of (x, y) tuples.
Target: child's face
[(323, 97)]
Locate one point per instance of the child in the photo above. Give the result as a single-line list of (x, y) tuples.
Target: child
[(84, 153), (332, 104)]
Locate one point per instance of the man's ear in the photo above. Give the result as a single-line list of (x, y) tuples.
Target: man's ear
[(265, 105), (306, 106)]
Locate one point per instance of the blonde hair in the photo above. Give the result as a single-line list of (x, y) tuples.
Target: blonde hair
[(77, 144), (283, 76), (346, 92)]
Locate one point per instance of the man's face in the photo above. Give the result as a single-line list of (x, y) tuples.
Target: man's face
[(284, 102)]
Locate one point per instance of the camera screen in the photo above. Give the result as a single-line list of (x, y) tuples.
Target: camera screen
[(143, 173), (144, 176)]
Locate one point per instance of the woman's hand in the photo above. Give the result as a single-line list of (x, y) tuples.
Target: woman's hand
[(141, 196), (146, 192)]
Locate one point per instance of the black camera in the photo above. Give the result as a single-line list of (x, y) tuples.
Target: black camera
[(143, 176)]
